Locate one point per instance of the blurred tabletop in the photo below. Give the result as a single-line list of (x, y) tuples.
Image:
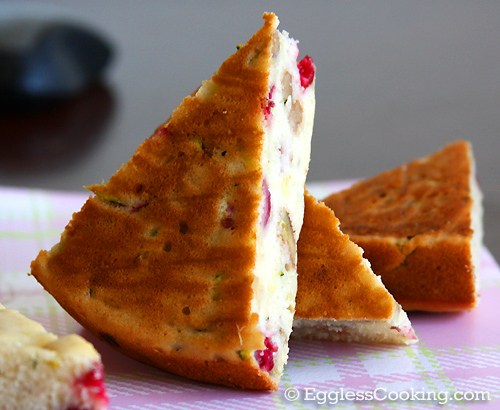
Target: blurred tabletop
[(396, 80)]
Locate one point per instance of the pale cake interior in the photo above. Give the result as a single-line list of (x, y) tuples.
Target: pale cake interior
[(476, 222), (285, 161), (396, 330)]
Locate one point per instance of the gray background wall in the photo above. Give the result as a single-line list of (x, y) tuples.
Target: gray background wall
[(396, 79)]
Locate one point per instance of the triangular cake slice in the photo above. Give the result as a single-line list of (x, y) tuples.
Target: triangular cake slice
[(38, 370), (186, 258), (420, 226), (339, 298)]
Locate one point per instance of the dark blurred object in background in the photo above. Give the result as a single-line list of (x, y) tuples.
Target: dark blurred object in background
[(47, 135), (53, 104), (47, 59)]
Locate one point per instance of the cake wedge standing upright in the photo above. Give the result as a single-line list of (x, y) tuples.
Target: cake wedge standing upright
[(420, 225), (339, 297), (186, 258)]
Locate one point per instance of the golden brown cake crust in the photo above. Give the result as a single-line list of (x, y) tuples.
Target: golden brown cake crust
[(333, 282), (414, 224), (177, 223)]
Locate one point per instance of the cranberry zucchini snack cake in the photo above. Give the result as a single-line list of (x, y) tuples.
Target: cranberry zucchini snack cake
[(38, 370), (186, 259), (339, 298), (420, 226)]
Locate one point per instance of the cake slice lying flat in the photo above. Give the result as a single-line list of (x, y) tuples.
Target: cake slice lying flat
[(38, 370), (186, 258), (339, 298), (420, 226)]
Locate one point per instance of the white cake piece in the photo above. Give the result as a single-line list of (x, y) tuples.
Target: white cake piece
[(38, 370), (289, 131)]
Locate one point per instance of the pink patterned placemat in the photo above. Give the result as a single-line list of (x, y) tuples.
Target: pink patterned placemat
[(456, 363)]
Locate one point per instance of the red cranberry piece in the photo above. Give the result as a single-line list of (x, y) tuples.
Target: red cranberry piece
[(265, 357), (160, 132), (268, 103), (267, 203), (273, 347), (306, 70), (405, 331), (138, 206), (92, 383), (228, 221)]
